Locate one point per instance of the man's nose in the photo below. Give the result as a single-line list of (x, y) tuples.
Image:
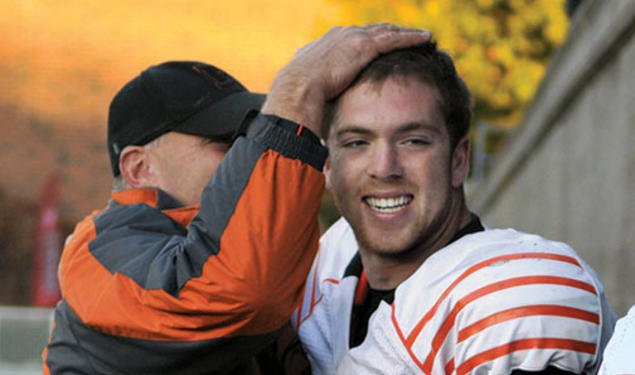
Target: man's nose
[(384, 163)]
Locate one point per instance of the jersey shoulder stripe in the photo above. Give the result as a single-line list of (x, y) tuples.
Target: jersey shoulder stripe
[(488, 284)]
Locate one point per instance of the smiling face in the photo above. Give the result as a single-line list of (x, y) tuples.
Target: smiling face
[(391, 169)]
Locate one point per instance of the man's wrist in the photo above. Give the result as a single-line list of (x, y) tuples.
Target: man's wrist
[(289, 139), (294, 98)]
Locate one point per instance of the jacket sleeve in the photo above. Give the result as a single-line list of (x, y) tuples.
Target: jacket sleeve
[(239, 267)]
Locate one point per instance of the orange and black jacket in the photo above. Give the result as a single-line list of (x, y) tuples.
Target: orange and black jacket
[(150, 287)]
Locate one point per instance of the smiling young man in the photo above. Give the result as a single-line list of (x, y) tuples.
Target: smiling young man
[(409, 281), (390, 173)]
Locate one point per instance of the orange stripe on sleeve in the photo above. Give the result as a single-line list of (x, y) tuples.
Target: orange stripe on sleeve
[(557, 257), (298, 315), (448, 323), (299, 319), (403, 339), (449, 367), (537, 343), (315, 302), (524, 311), (312, 302), (314, 286), (309, 315)]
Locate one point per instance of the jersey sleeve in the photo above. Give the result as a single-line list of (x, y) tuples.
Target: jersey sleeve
[(618, 355), (520, 303)]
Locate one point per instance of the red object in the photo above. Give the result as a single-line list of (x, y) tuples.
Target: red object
[(45, 288)]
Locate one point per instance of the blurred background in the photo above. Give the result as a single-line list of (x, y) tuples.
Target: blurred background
[(553, 133)]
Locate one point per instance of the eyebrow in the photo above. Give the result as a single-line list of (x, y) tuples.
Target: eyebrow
[(352, 129), (417, 126), (405, 128)]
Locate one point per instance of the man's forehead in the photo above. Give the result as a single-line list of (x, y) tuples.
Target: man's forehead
[(366, 93), (407, 127), (404, 80), (373, 88)]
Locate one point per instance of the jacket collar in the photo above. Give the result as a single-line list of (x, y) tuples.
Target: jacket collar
[(157, 198), (153, 197)]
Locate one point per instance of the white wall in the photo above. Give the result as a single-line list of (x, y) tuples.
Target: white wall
[(569, 172)]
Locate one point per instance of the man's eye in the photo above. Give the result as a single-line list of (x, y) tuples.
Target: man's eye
[(354, 143), (417, 142)]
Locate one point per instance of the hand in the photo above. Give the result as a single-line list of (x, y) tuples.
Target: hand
[(324, 68)]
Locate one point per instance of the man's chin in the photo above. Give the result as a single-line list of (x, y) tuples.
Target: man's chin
[(385, 246)]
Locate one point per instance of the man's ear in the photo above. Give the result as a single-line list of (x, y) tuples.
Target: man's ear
[(460, 162), (134, 164), (327, 173)]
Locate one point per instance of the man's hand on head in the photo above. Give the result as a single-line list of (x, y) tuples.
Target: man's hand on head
[(324, 68)]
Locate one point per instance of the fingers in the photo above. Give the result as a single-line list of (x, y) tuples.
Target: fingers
[(381, 28), (387, 37), (352, 48), (322, 69), (389, 41)]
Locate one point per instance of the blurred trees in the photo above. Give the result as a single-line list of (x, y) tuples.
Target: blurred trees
[(500, 47)]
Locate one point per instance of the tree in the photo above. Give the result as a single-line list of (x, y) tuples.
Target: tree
[(500, 47)]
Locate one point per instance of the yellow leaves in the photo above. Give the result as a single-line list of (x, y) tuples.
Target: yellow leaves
[(432, 8), (407, 12), (485, 4), (501, 53), (556, 30), (500, 47), (501, 98), (517, 5), (460, 44), (523, 79)]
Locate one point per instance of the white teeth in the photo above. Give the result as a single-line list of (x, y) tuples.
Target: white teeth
[(388, 205)]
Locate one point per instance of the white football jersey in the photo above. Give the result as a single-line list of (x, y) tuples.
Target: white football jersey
[(619, 355), (488, 303)]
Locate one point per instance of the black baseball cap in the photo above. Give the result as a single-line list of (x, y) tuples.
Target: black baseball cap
[(184, 96)]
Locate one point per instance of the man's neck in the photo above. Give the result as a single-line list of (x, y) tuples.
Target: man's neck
[(386, 272)]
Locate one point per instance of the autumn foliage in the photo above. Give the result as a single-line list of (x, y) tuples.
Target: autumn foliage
[(501, 47)]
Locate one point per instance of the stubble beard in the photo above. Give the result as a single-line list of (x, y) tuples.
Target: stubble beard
[(418, 242)]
